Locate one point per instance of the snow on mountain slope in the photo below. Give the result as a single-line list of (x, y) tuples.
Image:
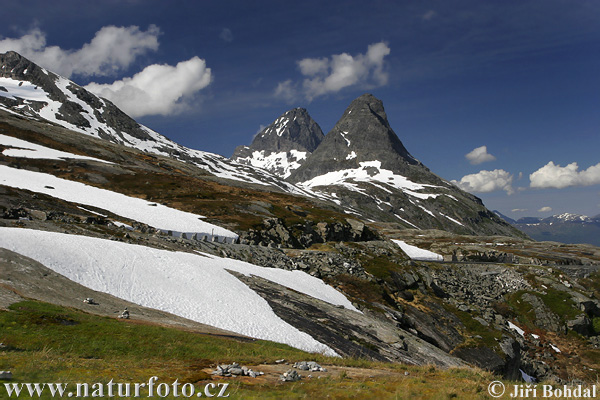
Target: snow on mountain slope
[(369, 172), (25, 149), (156, 215), (193, 286), (417, 253), (283, 162), (34, 92), (283, 146)]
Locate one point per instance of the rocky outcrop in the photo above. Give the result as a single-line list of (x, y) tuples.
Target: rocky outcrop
[(274, 233)]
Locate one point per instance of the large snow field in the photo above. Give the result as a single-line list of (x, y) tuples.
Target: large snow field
[(416, 253), (25, 149), (193, 286), (153, 214)]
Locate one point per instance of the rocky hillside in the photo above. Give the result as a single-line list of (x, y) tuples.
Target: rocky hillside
[(284, 145), (34, 92)]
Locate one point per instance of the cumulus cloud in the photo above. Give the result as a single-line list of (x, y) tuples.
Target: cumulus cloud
[(555, 176), (226, 35), (519, 210), (332, 74), (112, 50), (486, 181), (545, 209), (157, 89), (479, 155)]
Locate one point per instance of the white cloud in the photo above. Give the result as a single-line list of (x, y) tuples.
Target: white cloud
[(330, 75), (555, 176), (287, 91), (486, 181), (545, 209), (518, 210), (112, 49), (157, 89), (479, 155), (226, 35)]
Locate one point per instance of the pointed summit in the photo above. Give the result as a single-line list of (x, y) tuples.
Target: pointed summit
[(363, 166), (363, 134), (284, 145)]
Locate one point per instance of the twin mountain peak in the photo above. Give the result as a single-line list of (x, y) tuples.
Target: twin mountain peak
[(294, 146)]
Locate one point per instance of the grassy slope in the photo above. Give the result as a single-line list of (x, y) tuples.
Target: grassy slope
[(47, 343)]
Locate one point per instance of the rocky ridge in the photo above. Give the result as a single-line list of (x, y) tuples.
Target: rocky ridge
[(36, 93)]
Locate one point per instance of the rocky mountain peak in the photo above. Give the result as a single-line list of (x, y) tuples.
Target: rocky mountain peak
[(362, 134), (282, 146)]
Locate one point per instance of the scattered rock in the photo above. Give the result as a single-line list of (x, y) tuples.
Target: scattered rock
[(309, 366), (291, 376), (6, 375), (236, 370)]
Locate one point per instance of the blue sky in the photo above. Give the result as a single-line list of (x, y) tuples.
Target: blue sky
[(518, 77)]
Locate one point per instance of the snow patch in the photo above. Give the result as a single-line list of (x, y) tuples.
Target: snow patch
[(24, 149), (193, 286), (156, 215), (516, 329), (416, 253)]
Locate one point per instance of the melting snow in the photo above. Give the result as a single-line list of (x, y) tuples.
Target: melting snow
[(402, 219), (452, 219), (283, 162), (345, 138), (27, 149), (197, 287), (156, 215), (516, 328), (369, 171), (416, 253)]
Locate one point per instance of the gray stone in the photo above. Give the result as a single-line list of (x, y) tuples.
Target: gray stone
[(291, 376), (6, 375)]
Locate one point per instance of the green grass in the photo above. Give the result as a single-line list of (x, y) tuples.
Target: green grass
[(475, 333), (560, 303), (48, 343)]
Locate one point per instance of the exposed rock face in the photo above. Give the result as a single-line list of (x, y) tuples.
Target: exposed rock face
[(363, 166), (363, 134), (284, 145)]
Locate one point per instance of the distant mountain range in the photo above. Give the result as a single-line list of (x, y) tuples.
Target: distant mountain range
[(565, 228)]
